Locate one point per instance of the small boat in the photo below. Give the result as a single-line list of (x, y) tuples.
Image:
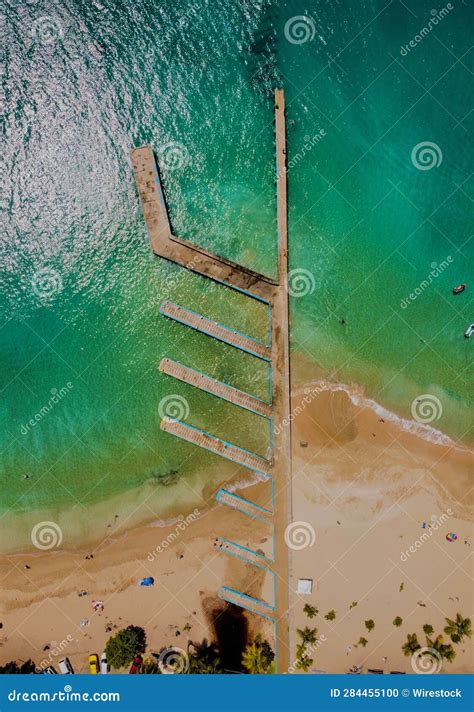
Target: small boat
[(460, 288), (469, 331)]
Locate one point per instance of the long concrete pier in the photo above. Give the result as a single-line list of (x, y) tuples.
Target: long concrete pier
[(215, 387), (273, 293)]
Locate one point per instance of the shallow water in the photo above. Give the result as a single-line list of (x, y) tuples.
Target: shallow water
[(86, 81)]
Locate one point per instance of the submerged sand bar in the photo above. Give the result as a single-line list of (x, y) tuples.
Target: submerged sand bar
[(273, 293)]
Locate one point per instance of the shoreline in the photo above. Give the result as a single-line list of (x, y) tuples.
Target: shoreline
[(179, 503), (363, 486)]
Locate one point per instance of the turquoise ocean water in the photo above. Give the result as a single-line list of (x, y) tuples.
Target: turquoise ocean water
[(80, 337)]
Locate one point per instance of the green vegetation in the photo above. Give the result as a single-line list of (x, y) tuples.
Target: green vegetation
[(121, 648), (362, 641), (428, 629), (370, 625), (397, 621), (308, 635), (258, 657), (204, 658), (353, 605), (330, 615), (446, 652), (412, 644), (12, 668), (304, 663), (402, 586), (149, 667), (459, 628), (311, 611)]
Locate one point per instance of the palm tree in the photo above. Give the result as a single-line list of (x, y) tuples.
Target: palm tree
[(445, 651), (412, 644), (258, 657), (362, 641), (311, 611), (304, 663), (308, 635), (330, 615), (203, 658), (370, 625), (397, 621), (459, 628), (428, 629)]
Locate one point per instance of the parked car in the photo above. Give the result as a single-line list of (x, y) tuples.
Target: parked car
[(104, 665), (49, 670), (65, 667), (136, 665), (94, 667)]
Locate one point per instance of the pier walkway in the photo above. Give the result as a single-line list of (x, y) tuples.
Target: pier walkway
[(213, 328), (274, 294)]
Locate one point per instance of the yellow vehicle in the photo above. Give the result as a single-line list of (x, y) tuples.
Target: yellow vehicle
[(94, 668)]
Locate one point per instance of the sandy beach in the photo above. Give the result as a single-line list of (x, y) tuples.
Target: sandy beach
[(364, 491)]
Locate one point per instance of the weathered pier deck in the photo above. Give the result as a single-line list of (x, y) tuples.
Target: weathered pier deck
[(273, 293), (213, 328), (215, 387), (216, 445)]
